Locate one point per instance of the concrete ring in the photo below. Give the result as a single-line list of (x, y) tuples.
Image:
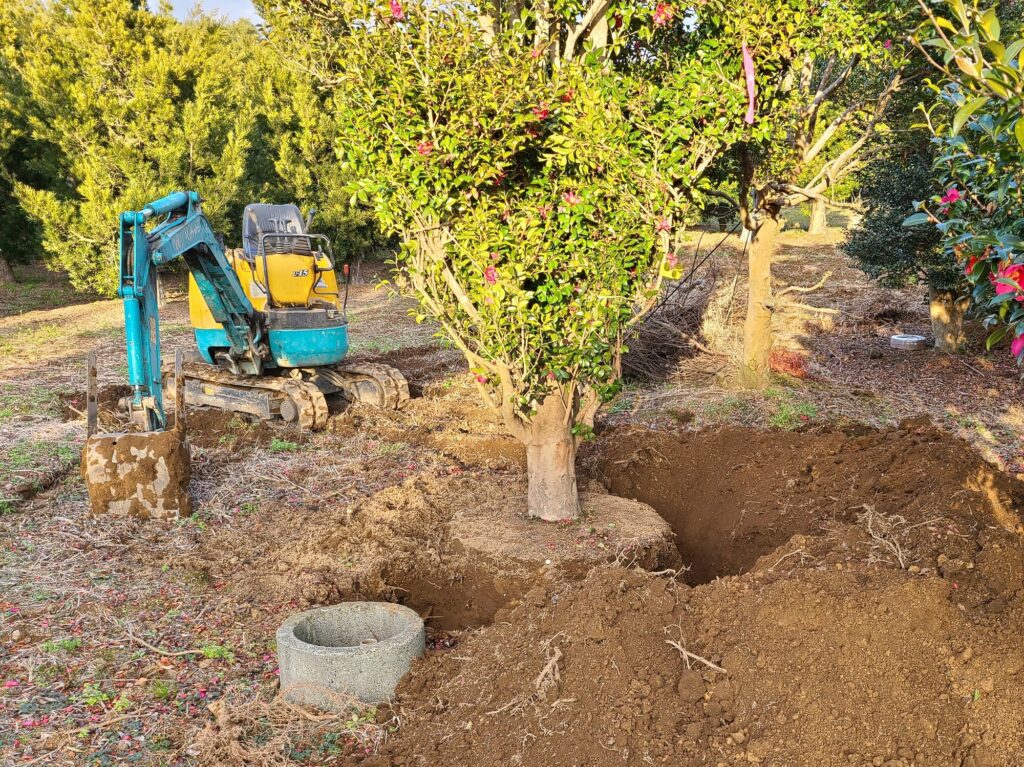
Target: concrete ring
[(360, 650)]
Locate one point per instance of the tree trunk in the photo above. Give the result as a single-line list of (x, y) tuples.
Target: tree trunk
[(757, 328), (947, 311), (819, 220), (6, 273), (551, 463)]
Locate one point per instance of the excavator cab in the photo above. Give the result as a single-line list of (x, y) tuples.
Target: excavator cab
[(289, 275)]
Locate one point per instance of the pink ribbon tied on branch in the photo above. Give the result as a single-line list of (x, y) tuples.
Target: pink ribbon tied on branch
[(748, 71)]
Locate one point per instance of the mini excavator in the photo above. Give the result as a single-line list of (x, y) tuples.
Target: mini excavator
[(271, 329)]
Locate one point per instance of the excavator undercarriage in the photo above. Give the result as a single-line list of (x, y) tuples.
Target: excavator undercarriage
[(298, 395)]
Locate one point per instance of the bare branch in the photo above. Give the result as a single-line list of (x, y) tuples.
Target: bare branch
[(805, 289)]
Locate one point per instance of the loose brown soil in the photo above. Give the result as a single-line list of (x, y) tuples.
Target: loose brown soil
[(733, 495), (884, 630)]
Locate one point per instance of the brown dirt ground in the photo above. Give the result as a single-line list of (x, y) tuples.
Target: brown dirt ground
[(868, 607), (833, 653)]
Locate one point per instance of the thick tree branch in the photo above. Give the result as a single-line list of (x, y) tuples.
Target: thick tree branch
[(595, 11)]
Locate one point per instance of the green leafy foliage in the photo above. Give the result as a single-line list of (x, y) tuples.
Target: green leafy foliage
[(880, 243), (537, 183), (978, 127), (105, 105), (825, 76)]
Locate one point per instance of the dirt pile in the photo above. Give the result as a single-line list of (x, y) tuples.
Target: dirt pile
[(877, 622), (836, 668), (735, 494), (426, 543)]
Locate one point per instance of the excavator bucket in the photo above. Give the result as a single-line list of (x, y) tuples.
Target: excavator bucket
[(137, 474)]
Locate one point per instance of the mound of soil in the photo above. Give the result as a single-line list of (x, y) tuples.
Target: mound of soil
[(736, 494), (453, 548), (833, 668), (877, 621), (218, 429)]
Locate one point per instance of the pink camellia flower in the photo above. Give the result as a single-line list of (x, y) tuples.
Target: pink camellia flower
[(663, 14), (1017, 346), (971, 263), (541, 111), (425, 148), (887, 45), (571, 198), (1013, 272), (551, 376), (11, 683), (495, 256), (482, 379), (491, 275), (664, 225), (951, 195), (396, 11)]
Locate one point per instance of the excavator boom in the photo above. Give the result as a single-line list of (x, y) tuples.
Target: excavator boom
[(183, 233)]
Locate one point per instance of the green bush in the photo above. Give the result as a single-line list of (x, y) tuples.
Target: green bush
[(885, 249)]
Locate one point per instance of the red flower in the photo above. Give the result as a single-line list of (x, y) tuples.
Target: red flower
[(482, 379), (531, 131), (887, 44), (664, 225), (952, 195), (971, 263), (491, 275), (1013, 272), (1017, 346), (544, 210), (617, 21), (541, 111), (425, 147), (571, 198), (397, 13), (499, 178), (663, 14), (568, 95)]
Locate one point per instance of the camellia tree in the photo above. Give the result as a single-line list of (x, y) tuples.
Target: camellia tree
[(824, 76), (980, 212), (538, 169)]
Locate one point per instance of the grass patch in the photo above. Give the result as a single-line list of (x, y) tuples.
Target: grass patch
[(786, 412), (283, 446), (24, 342), (17, 399), (61, 645), (33, 461)]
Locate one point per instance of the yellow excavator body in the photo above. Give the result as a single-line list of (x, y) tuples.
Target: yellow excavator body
[(294, 283)]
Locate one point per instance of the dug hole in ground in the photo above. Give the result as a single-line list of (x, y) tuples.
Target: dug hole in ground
[(848, 597)]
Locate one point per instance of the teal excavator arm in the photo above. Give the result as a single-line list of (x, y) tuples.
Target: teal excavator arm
[(183, 232)]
